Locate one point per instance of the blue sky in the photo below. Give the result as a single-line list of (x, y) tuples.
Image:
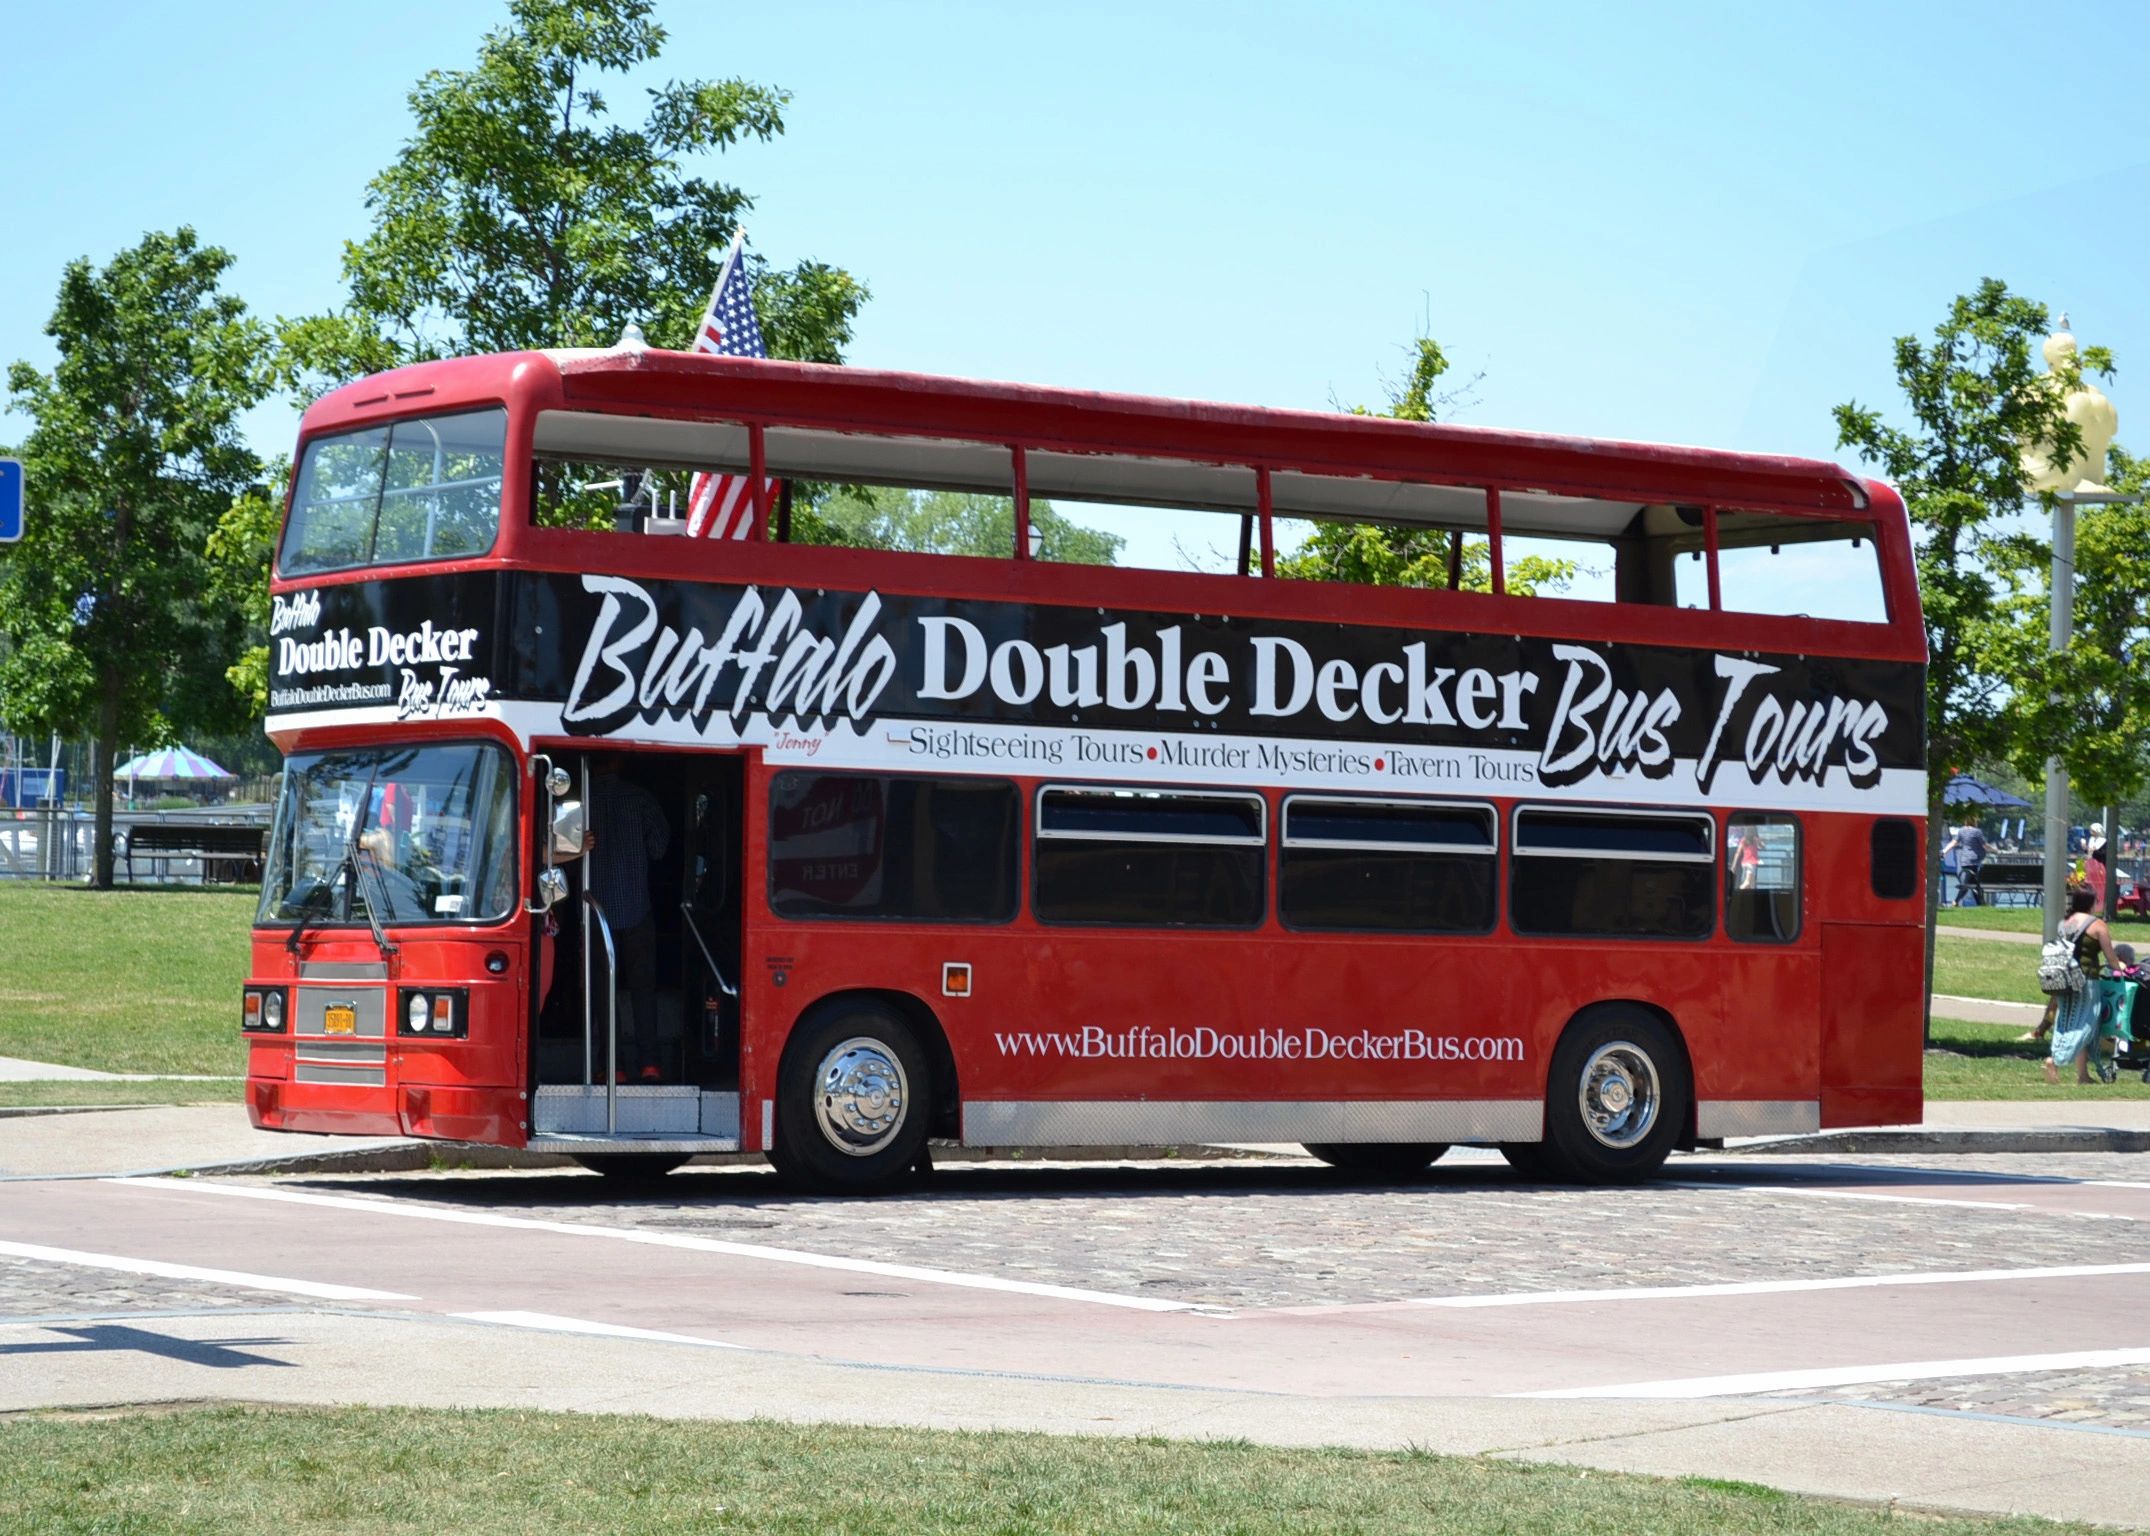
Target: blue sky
[(1690, 223)]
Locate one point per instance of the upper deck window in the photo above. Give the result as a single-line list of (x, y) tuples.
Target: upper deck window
[(423, 489)]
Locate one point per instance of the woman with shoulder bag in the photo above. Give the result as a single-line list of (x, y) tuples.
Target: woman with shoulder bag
[(2076, 1018)]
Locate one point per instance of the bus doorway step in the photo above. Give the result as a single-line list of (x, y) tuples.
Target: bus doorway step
[(589, 1109), (578, 1146)]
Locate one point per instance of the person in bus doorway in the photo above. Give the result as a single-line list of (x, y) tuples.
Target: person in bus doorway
[(2077, 1014), (627, 833)]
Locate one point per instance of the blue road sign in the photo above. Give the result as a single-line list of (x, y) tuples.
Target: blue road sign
[(10, 500)]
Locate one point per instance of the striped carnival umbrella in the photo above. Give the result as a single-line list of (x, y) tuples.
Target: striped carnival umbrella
[(169, 763)]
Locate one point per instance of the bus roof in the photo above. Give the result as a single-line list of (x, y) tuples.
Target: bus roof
[(1324, 444)]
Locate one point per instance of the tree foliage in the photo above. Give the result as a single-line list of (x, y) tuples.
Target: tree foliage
[(134, 454), (945, 523), (1408, 555), (2090, 704), (1976, 397), (521, 213)]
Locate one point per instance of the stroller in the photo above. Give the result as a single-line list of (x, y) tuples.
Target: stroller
[(2128, 1028), (2123, 1042)]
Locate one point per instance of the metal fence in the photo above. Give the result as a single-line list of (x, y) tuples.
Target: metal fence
[(59, 843)]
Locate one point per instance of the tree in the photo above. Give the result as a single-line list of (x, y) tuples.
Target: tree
[(239, 551), (945, 523), (1410, 555), (1976, 398), (519, 215), (134, 452)]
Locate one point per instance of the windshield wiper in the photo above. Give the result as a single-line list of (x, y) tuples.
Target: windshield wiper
[(376, 898), (353, 867)]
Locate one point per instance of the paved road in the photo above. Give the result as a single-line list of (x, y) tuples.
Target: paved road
[(1950, 1332)]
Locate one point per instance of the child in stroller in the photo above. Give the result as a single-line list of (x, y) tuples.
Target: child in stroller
[(2121, 1045)]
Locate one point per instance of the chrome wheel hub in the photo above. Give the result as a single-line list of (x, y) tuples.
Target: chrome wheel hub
[(860, 1094), (1619, 1094)]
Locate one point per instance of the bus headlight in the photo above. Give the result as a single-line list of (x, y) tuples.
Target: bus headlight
[(434, 1011), (261, 1010)]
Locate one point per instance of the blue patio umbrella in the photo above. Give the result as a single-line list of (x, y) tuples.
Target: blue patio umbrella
[(1965, 790)]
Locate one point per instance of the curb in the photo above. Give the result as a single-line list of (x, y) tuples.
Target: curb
[(2077, 1138)]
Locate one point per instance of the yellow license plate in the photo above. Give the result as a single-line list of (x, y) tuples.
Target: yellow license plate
[(339, 1019)]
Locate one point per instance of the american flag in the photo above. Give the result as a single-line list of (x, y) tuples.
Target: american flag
[(720, 505)]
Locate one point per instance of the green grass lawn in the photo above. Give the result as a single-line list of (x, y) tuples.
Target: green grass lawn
[(124, 981), (2028, 920), (1987, 1061), (149, 1090), (1965, 967), (2006, 919), (240, 1471)]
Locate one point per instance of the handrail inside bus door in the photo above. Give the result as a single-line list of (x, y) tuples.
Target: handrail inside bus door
[(593, 908), (700, 943)]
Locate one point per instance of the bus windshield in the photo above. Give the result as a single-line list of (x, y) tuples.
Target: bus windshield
[(410, 834), (423, 489)]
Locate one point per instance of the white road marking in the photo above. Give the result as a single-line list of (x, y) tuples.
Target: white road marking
[(382, 1207), (549, 1323), (234, 1277), (1779, 1287), (1854, 1375)]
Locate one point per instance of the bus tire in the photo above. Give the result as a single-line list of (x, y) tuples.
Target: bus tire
[(853, 1100), (631, 1167), (1616, 1100), (1378, 1159)]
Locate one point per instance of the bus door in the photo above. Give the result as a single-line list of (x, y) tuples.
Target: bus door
[(712, 910), (649, 892)]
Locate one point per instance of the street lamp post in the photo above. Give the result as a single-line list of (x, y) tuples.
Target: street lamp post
[(2072, 483)]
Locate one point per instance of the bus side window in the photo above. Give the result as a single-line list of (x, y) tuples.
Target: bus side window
[(844, 845), (1149, 858), (1761, 878), (1612, 874), (1386, 866)]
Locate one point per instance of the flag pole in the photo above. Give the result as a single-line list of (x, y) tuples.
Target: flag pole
[(731, 260)]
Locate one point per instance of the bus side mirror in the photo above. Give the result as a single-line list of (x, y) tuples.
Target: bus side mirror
[(551, 888), (567, 830), (557, 783)]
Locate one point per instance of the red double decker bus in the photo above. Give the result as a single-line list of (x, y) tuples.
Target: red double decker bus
[(1015, 851)]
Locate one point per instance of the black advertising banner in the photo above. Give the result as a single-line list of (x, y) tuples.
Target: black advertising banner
[(866, 679)]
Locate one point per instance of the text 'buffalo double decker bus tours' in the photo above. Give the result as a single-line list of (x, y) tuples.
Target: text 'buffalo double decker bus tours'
[(602, 836)]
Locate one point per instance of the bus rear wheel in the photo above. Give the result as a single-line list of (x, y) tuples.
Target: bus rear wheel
[(1379, 1159), (1617, 1097), (628, 1168), (852, 1105)]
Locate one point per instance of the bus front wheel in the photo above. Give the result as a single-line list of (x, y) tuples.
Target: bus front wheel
[(852, 1104), (1616, 1099), (1379, 1159)]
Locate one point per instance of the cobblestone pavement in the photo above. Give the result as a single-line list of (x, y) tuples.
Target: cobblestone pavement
[(34, 1288), (2113, 1398), (1291, 1234)]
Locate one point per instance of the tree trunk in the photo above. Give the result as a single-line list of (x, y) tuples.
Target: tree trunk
[(1934, 840), (103, 760)]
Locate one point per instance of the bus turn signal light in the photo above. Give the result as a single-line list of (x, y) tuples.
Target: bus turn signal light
[(955, 979)]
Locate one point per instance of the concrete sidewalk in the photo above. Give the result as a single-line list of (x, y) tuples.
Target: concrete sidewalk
[(1905, 1461)]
